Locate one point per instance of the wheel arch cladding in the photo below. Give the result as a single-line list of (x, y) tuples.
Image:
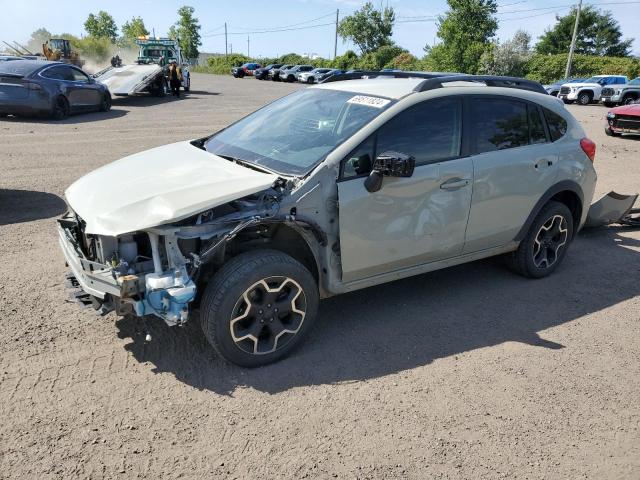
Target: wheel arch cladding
[(566, 192), (290, 241)]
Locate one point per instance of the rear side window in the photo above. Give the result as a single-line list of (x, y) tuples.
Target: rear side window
[(429, 131), (536, 127), (56, 73), (557, 125), (499, 124)]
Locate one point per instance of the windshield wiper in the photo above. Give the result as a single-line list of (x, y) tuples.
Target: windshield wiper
[(245, 163)]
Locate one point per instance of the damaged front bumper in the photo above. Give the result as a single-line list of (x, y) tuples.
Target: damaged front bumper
[(165, 293)]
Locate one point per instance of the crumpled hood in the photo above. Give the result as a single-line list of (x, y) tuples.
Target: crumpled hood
[(158, 186)]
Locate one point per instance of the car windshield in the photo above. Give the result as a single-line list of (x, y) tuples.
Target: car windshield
[(294, 133), (635, 81)]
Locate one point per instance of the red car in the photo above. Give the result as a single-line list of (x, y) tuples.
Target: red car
[(623, 119)]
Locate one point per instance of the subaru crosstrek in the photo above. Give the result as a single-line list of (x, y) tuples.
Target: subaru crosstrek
[(331, 189)]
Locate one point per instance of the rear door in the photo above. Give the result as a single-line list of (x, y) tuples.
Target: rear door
[(409, 221), (514, 164)]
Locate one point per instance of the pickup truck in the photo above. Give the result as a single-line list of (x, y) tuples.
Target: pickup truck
[(590, 90), (621, 94)]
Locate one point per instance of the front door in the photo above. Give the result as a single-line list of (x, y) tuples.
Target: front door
[(409, 221)]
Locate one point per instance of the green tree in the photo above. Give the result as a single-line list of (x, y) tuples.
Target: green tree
[(509, 58), (38, 37), (101, 25), (347, 61), (380, 58), (187, 31), (598, 34), (466, 30), (134, 28), (368, 28)]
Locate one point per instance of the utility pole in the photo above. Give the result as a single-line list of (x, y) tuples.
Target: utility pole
[(248, 47), (226, 42), (567, 72), (335, 43)]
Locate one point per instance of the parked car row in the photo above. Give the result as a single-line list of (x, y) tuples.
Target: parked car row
[(278, 72), (610, 90)]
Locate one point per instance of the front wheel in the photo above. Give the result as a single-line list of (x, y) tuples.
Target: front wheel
[(545, 244), (628, 100), (187, 87), (584, 98), (258, 307), (610, 133)]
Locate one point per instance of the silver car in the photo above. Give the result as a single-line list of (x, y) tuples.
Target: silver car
[(328, 190)]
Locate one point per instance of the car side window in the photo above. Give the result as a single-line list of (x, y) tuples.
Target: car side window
[(499, 124), (430, 131), (78, 75), (54, 73), (536, 126), (557, 125)]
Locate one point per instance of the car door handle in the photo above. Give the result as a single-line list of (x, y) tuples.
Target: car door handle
[(454, 183)]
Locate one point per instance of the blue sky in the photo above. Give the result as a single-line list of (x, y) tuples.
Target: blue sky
[(19, 18)]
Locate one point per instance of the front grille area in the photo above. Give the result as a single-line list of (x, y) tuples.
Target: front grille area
[(627, 121), (565, 91), (608, 92)]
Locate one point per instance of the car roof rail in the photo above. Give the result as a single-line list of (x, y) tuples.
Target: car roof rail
[(488, 80), (339, 77)]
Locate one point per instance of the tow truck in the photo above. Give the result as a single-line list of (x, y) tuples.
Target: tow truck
[(149, 73)]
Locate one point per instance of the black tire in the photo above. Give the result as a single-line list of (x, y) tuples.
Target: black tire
[(525, 261), (610, 133), (609, 104), (311, 80), (105, 105), (224, 303), (584, 98), (188, 86), (628, 100), (60, 109)]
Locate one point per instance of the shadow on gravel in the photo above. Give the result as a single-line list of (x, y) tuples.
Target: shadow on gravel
[(71, 120), (17, 206), (410, 323)]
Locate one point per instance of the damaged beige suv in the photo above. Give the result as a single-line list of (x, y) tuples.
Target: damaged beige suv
[(328, 190)]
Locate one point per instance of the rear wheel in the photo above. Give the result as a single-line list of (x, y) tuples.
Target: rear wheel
[(105, 105), (259, 307), (60, 109), (545, 244), (188, 85), (584, 98)]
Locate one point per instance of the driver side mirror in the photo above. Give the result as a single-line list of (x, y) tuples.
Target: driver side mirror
[(389, 164)]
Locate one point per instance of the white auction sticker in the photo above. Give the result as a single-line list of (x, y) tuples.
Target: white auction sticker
[(375, 102)]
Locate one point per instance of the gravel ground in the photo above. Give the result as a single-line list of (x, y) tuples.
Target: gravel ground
[(469, 372)]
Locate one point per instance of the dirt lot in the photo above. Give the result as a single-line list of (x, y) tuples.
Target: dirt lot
[(470, 372)]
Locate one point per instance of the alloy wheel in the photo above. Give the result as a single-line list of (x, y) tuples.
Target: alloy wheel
[(268, 315), (549, 241)]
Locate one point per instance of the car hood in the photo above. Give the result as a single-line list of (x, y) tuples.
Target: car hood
[(158, 186), (582, 84), (633, 109)]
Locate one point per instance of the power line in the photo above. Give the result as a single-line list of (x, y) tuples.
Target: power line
[(290, 25), (272, 31)]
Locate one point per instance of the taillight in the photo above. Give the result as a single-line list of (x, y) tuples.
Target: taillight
[(589, 148)]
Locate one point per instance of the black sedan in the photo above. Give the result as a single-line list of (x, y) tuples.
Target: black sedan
[(54, 89), (263, 73)]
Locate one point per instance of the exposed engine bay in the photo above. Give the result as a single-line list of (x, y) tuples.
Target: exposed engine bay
[(155, 271)]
